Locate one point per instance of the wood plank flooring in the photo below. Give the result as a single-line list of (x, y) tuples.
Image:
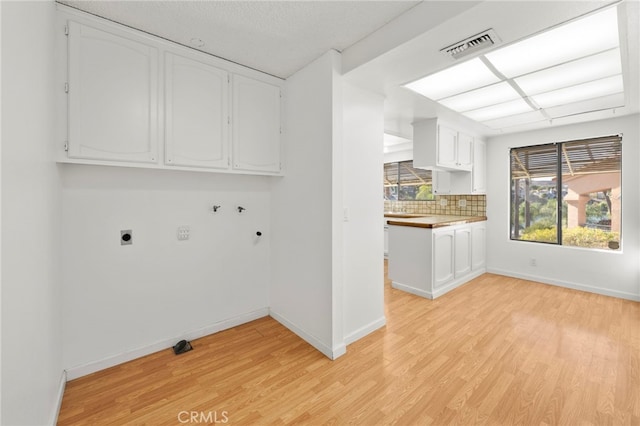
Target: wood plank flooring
[(497, 351)]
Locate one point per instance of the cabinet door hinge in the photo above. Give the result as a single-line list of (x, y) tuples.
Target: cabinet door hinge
[(66, 146), (66, 30), (228, 120), (66, 88), (280, 129)]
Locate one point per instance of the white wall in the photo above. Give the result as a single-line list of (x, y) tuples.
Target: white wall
[(31, 327), (304, 214), (612, 273), (363, 283), (122, 302)]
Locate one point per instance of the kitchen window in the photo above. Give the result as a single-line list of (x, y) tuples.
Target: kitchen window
[(402, 182), (568, 193)]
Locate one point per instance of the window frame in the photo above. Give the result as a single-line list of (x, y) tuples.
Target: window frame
[(561, 159), (398, 182)]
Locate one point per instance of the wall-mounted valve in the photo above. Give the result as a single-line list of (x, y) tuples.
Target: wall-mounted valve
[(216, 208), (240, 209)]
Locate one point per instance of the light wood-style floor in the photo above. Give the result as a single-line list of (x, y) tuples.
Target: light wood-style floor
[(496, 351)]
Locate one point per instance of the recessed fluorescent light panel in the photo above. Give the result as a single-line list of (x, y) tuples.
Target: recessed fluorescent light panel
[(457, 79), (575, 67)]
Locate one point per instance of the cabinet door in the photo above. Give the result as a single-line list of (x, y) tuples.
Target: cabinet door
[(441, 182), (196, 113), (465, 151), (256, 125), (446, 146), (462, 246), (113, 96), (479, 167), (478, 245), (443, 253)]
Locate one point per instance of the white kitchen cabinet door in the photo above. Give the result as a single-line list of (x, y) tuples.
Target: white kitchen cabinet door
[(196, 113), (462, 247), (479, 173), (446, 148), (478, 245), (464, 154), (113, 96), (256, 125), (441, 182), (443, 257)]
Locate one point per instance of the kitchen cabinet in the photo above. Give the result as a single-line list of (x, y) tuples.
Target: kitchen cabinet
[(136, 100), (462, 251), (474, 182), (196, 113), (430, 262), (440, 146), (478, 245), (441, 182), (443, 257), (256, 125), (113, 96), (479, 172)]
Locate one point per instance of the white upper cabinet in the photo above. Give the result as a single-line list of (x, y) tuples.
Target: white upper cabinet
[(474, 182), (479, 172), (439, 146), (136, 100), (196, 113), (113, 96), (447, 139), (255, 125), (464, 151)]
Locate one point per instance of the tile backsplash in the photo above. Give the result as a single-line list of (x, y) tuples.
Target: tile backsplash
[(476, 205)]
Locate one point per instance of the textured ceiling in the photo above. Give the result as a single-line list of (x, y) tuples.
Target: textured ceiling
[(276, 37)]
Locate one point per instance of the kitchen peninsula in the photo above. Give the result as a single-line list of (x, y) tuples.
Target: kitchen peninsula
[(431, 255)]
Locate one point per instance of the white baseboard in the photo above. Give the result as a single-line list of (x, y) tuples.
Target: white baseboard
[(567, 284), (439, 291), (61, 387), (331, 353), (412, 290), (363, 331), (92, 367), (457, 283)]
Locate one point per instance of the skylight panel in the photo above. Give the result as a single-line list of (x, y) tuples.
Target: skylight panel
[(483, 97), (577, 39), (597, 104), (501, 110), (580, 92), (452, 81), (515, 120), (583, 70)]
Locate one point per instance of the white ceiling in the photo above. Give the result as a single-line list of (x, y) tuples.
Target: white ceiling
[(384, 44), (276, 37), (512, 21)]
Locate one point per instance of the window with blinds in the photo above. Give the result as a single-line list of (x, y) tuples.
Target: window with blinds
[(402, 182), (568, 193)]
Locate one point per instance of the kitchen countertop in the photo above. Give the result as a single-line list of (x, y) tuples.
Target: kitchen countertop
[(432, 221)]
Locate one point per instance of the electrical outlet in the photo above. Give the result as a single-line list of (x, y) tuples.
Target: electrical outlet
[(533, 262), (462, 203), (183, 233), (443, 202), (126, 237)]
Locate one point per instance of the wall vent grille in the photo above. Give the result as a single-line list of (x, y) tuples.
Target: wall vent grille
[(473, 44)]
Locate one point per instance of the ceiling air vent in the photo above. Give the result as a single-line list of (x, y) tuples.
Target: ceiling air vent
[(472, 45)]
